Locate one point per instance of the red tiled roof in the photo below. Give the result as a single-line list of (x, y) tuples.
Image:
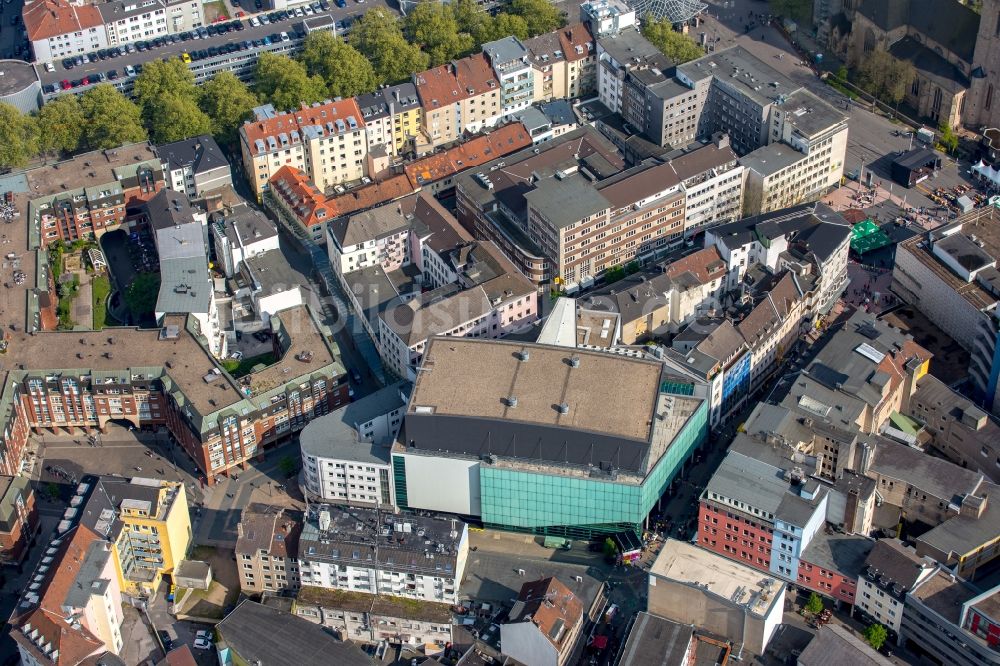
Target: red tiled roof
[(48, 18), (475, 76), (370, 195), (439, 87), (475, 152), (294, 188), (553, 608), (286, 123), (706, 265), (573, 36), (47, 617)]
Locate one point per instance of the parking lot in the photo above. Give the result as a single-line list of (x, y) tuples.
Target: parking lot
[(13, 43), (119, 64)]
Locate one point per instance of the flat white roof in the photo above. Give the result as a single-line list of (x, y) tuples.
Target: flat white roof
[(740, 584)]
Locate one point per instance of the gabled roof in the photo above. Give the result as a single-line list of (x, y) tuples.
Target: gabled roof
[(550, 606), (44, 19), (704, 265), (298, 192), (48, 617), (201, 153)]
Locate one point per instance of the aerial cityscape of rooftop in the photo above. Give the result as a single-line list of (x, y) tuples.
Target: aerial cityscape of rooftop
[(500, 332)]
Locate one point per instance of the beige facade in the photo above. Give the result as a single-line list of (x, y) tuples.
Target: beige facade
[(327, 141)]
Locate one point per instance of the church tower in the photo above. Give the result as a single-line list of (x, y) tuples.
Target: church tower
[(982, 104)]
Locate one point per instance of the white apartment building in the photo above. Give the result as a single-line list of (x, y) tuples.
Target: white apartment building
[(345, 454), (607, 17), (58, 28), (239, 234), (511, 62), (713, 181), (418, 557), (132, 20), (184, 15), (377, 237), (487, 299), (327, 141), (891, 571), (186, 287), (809, 239), (195, 165)]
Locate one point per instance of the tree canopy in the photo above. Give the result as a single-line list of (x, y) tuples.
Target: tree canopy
[(286, 84), (875, 635), (177, 117), (346, 72), (885, 76), (378, 37), (110, 118), (540, 15), (675, 45), (18, 137), (60, 125), (228, 102), (433, 27)]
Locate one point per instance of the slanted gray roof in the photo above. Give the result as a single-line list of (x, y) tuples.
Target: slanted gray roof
[(264, 635), (200, 153), (185, 286), (335, 435)]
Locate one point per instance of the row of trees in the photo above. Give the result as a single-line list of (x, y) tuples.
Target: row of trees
[(168, 106), (886, 77), (383, 49)]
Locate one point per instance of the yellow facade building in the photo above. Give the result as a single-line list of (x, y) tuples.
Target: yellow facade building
[(152, 534)]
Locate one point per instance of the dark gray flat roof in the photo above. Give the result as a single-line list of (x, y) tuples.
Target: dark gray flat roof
[(17, 75), (264, 635), (335, 435), (656, 640)]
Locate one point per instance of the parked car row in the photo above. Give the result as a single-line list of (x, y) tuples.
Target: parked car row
[(111, 75)]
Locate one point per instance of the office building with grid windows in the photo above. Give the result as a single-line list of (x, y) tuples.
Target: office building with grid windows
[(537, 440)]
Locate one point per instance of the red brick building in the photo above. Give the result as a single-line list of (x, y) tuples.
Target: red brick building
[(18, 518)]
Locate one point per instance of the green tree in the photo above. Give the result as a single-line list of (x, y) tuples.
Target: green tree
[(875, 635), (675, 45), (471, 19), (346, 72), (60, 125), (379, 38), (505, 24), (53, 491), (885, 76), (948, 140), (175, 118), (160, 79), (433, 27), (286, 84), (140, 297), (228, 102), (18, 137), (610, 549), (815, 604), (110, 118), (797, 10), (540, 15)]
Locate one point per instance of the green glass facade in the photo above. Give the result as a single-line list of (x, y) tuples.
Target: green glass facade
[(579, 507), (399, 476)]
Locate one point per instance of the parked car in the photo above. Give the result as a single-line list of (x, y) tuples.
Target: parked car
[(129, 70), (168, 643), (236, 356), (65, 85), (254, 22), (202, 643)]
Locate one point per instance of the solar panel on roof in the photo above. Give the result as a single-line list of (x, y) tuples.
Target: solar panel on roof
[(869, 352)]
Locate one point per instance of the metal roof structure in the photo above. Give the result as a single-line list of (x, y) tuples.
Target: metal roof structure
[(675, 11)]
